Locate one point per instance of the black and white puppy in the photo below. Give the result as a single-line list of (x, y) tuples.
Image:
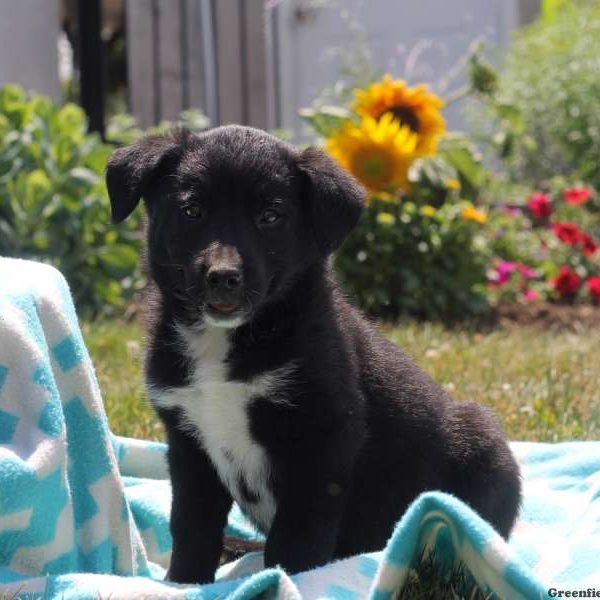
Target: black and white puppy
[(274, 391)]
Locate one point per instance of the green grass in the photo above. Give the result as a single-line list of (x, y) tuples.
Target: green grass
[(116, 348), (543, 385)]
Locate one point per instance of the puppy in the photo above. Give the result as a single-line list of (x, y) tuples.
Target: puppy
[(274, 391)]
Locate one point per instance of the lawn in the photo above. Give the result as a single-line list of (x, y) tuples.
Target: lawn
[(543, 385)]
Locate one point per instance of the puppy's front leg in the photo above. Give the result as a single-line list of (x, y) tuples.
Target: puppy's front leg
[(311, 506), (198, 513)]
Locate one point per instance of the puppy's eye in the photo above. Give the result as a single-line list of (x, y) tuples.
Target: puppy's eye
[(270, 216), (192, 211)]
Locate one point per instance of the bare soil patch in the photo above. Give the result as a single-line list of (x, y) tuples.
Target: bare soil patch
[(561, 317)]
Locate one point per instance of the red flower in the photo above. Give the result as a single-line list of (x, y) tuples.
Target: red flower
[(567, 282), (540, 205), (593, 286), (588, 244), (577, 195), (568, 233)]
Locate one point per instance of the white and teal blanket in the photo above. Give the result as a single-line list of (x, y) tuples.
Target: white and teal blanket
[(84, 514)]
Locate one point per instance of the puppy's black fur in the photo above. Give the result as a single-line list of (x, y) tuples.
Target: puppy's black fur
[(240, 229)]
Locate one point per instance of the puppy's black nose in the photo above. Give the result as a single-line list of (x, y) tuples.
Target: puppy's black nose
[(224, 279)]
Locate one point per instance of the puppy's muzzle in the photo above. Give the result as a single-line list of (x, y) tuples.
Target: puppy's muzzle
[(224, 286), (223, 280)]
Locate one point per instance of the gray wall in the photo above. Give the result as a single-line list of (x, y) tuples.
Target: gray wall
[(417, 40), (29, 36)]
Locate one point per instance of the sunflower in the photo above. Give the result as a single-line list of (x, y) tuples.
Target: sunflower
[(377, 152), (415, 107)]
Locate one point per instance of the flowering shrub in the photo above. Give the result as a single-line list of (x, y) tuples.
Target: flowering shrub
[(418, 248), (547, 249), (406, 258)]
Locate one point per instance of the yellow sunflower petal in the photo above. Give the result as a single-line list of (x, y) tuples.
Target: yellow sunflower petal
[(377, 152), (415, 107)]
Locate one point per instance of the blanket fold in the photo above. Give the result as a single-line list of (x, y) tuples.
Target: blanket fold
[(84, 513)]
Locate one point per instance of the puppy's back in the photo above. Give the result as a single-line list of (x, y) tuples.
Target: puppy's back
[(424, 439)]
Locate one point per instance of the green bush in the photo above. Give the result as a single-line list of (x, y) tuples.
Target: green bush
[(122, 128), (53, 202), (418, 260), (546, 103)]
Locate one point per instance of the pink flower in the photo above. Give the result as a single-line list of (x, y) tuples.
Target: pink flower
[(526, 271), (504, 270), (530, 295)]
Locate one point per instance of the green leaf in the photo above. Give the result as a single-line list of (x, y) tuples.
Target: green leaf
[(119, 256), (326, 120), (460, 154), (83, 177), (551, 9), (96, 157), (12, 102), (484, 78), (71, 120), (431, 172)]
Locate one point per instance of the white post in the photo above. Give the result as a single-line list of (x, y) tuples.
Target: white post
[(29, 32)]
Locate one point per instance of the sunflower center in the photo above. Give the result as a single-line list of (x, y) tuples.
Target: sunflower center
[(407, 116), (373, 168)]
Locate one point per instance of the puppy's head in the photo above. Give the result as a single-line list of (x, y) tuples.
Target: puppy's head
[(234, 215)]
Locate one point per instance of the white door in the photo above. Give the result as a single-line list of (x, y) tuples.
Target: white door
[(418, 40)]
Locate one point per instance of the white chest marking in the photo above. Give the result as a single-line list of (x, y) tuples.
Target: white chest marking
[(215, 411)]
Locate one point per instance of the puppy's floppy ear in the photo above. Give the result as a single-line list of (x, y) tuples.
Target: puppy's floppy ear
[(335, 198), (131, 170)]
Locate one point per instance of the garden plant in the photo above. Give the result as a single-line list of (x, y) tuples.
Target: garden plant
[(53, 203), (417, 249)]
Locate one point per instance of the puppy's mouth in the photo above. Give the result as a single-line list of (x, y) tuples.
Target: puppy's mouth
[(224, 314), (223, 309)]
